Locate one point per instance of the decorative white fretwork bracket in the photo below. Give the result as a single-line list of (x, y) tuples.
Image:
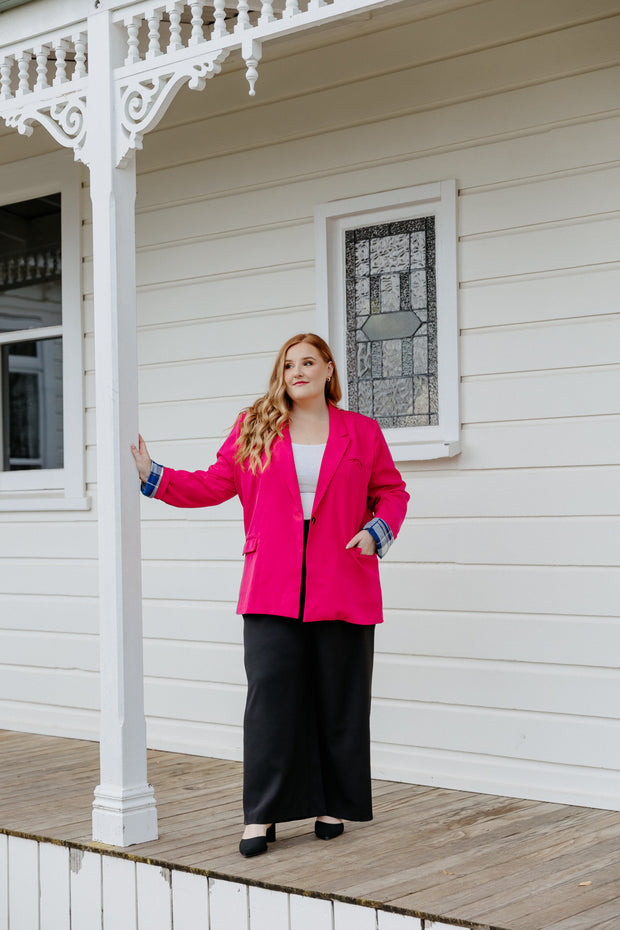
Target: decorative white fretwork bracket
[(64, 119), (142, 101), (36, 87)]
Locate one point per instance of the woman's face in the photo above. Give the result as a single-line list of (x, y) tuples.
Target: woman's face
[(305, 372)]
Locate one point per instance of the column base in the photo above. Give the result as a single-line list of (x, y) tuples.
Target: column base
[(124, 817)]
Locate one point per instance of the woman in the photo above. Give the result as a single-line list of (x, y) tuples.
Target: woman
[(321, 498)]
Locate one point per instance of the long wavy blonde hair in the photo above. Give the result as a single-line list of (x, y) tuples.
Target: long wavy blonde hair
[(267, 416)]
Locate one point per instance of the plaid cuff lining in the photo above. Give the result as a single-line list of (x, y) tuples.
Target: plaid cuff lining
[(149, 487), (381, 533)]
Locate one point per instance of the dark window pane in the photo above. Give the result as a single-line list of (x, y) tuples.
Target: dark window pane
[(24, 416), (30, 264), (31, 403), (32, 411), (24, 348)]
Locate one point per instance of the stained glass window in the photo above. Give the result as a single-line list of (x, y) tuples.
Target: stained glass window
[(391, 322)]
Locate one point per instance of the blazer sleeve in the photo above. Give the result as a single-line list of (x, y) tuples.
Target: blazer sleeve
[(387, 493), (202, 488)]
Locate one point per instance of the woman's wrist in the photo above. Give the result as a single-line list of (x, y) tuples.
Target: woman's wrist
[(150, 484)]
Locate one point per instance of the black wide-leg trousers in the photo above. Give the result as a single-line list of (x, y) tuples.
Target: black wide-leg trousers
[(306, 726)]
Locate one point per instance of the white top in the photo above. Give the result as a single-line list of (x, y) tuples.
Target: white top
[(307, 465)]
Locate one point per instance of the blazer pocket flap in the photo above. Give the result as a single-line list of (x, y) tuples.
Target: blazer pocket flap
[(250, 544)]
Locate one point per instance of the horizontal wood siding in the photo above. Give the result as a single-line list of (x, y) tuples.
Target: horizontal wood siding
[(497, 664)]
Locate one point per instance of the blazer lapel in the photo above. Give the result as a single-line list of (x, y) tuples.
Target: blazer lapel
[(337, 443)]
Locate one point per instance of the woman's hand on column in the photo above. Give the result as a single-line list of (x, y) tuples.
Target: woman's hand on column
[(364, 542), (142, 459)]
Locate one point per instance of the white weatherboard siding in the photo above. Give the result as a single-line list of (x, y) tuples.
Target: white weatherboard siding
[(497, 666)]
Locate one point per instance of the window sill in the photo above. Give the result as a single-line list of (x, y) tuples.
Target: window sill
[(403, 451), (34, 504)]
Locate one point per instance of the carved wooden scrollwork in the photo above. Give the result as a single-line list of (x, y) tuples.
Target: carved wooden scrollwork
[(144, 100), (64, 118)]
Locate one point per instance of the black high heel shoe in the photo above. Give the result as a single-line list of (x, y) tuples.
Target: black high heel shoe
[(256, 845), (328, 831)]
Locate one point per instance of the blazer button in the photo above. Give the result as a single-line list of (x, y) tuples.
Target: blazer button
[(313, 520)]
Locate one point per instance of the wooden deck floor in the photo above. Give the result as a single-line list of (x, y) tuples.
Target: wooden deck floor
[(435, 853)]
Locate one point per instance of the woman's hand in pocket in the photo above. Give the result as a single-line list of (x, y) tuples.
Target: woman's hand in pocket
[(364, 542)]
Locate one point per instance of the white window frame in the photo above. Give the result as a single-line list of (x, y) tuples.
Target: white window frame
[(332, 220), (55, 488)]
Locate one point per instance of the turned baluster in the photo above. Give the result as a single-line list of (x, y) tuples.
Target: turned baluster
[(266, 15), (60, 48), (291, 9), (23, 68), (40, 54), (174, 11), (132, 25), (5, 78), (154, 48), (243, 19), (22, 73), (79, 44), (197, 25), (219, 14)]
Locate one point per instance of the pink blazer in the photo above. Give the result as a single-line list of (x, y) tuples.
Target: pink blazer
[(358, 480)]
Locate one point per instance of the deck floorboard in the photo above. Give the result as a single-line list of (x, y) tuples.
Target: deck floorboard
[(483, 860)]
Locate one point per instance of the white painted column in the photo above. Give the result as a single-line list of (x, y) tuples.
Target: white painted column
[(124, 808)]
